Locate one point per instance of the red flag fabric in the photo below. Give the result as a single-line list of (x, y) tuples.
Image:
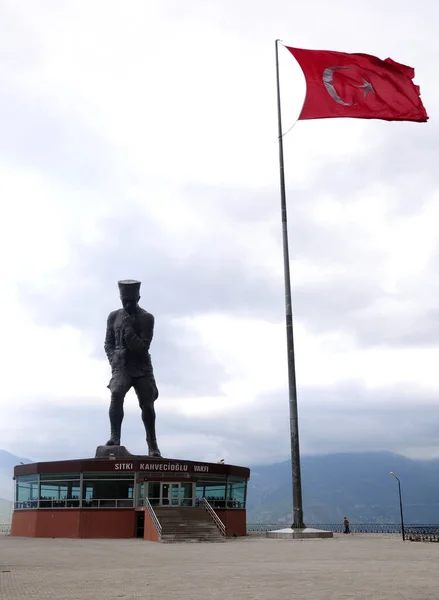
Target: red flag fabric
[(358, 86)]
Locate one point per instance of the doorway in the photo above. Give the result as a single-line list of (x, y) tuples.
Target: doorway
[(140, 524), (167, 493)]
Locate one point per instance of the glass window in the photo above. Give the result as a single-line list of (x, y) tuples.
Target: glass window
[(140, 493), (166, 491), (213, 491), (59, 476), (186, 494), (33, 477), (154, 492), (26, 492), (236, 493), (211, 478), (60, 494), (109, 476), (106, 494)]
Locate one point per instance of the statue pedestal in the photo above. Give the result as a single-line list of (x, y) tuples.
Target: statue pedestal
[(112, 452)]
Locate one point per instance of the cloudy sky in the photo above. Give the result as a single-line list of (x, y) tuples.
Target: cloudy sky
[(138, 140)]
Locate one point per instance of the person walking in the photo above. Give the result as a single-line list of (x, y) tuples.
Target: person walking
[(346, 525)]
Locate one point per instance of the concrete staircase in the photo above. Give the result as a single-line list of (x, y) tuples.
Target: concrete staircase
[(192, 524)]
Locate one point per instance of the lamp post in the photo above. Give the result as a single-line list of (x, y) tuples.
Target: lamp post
[(400, 504)]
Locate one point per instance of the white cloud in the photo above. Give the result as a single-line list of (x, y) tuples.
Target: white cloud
[(253, 353), (166, 111)]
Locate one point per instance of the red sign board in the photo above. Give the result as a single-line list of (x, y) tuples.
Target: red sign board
[(140, 465)]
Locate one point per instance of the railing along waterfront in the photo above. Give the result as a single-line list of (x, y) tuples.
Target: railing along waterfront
[(414, 533), (422, 533), (354, 528)]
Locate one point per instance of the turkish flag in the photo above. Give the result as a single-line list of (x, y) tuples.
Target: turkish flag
[(358, 86)]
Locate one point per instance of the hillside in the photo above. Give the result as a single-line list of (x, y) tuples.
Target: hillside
[(5, 511), (358, 485), (7, 464)]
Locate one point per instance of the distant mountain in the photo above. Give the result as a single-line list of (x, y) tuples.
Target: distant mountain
[(356, 485), (7, 464), (5, 511)]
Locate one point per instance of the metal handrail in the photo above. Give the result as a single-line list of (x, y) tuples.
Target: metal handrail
[(354, 527), (75, 503), (153, 516), (214, 516), (108, 503)]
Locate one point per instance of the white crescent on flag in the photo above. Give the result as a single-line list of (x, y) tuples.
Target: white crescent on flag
[(328, 80)]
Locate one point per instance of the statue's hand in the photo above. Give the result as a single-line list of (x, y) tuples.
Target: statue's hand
[(127, 322)]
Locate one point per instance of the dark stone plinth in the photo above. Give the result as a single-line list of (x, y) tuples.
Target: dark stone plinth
[(112, 452)]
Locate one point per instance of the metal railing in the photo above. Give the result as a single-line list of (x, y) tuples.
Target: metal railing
[(215, 517), (422, 533), (76, 503), (26, 504), (334, 527), (354, 527), (109, 503), (166, 502), (153, 516)]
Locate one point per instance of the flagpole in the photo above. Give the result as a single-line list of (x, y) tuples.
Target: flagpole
[(292, 388)]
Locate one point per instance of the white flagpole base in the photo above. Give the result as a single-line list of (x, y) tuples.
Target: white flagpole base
[(309, 533)]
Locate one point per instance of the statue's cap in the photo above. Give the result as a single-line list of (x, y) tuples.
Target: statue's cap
[(129, 287)]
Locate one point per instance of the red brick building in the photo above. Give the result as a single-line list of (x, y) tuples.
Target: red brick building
[(120, 498)]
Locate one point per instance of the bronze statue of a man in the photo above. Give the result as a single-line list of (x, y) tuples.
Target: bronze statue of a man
[(129, 334)]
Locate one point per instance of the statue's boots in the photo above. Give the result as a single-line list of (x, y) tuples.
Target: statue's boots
[(114, 437), (153, 449), (116, 418), (113, 441)]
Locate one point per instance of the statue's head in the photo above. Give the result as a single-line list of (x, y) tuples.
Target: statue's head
[(129, 290)]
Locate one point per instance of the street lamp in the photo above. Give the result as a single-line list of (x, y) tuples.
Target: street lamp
[(400, 504)]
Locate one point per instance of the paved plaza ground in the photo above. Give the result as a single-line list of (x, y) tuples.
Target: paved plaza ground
[(351, 566)]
